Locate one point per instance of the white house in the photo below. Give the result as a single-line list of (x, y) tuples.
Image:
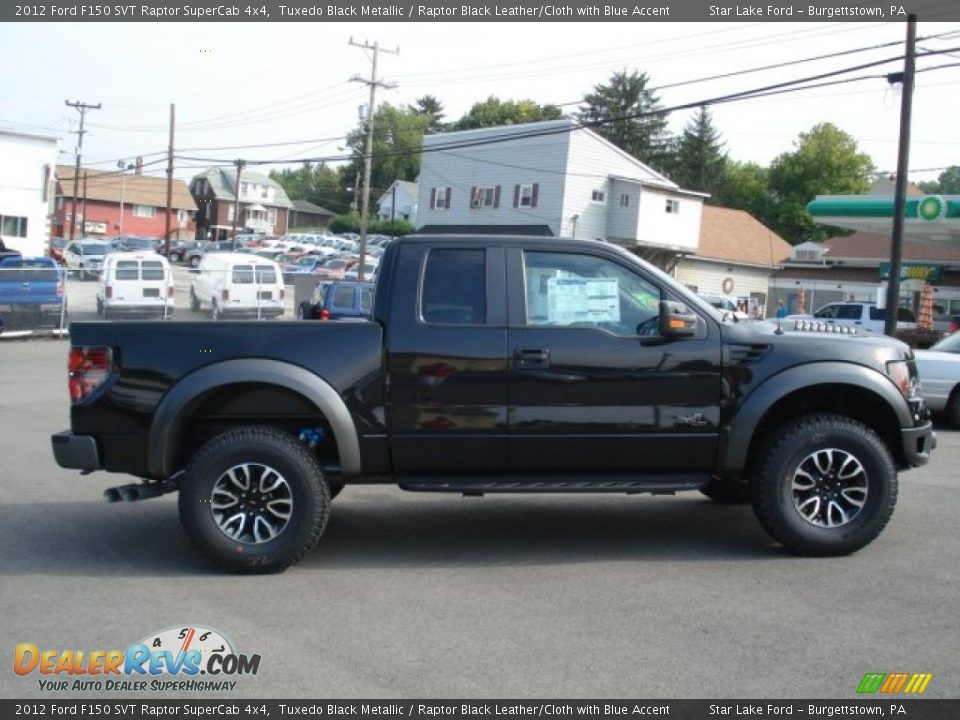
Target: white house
[(26, 182), (399, 202), (553, 178)]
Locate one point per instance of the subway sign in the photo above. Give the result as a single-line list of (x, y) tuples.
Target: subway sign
[(927, 272)]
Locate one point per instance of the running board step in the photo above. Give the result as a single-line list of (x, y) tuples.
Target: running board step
[(521, 484)]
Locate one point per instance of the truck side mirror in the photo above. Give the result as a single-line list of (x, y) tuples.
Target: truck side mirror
[(676, 320)]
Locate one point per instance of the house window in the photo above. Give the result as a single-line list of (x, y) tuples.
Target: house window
[(264, 192), (13, 226), (673, 206), (272, 216), (526, 196), (440, 198), (598, 196), (59, 203), (244, 188), (624, 200), (182, 217), (144, 211), (485, 197), (230, 210)]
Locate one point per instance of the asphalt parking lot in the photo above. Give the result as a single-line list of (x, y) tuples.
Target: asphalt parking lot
[(511, 596)]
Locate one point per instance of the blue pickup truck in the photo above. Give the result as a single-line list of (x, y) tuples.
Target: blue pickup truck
[(31, 292)]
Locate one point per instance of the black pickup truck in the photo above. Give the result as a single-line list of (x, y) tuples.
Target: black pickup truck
[(490, 365)]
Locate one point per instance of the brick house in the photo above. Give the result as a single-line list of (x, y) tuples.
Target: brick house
[(263, 204), (110, 203)]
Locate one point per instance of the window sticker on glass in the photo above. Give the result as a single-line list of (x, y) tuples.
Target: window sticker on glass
[(571, 300)]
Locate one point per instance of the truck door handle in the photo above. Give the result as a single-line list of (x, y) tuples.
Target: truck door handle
[(531, 358)]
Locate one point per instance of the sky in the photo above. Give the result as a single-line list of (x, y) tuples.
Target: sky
[(248, 83)]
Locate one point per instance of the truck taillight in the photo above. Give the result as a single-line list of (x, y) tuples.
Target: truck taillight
[(283, 294), (170, 291), (225, 294), (109, 291), (88, 368), (325, 314)]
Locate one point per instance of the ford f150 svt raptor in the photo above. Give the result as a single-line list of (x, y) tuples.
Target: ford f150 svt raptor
[(494, 364)]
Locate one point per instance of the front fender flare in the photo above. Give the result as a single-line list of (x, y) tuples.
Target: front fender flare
[(757, 403), (172, 410)]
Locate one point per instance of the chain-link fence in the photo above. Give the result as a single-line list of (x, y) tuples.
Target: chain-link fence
[(39, 297)]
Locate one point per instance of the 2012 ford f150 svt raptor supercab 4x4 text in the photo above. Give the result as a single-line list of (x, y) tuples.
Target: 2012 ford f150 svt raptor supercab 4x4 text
[(494, 364)]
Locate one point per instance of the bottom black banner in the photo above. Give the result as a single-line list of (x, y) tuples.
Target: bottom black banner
[(912, 709)]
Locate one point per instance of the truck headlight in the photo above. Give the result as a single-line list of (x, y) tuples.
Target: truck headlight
[(899, 372)]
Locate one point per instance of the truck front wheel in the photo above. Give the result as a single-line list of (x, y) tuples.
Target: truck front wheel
[(254, 500), (824, 485)]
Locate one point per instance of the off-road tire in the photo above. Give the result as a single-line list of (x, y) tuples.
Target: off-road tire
[(727, 492), (783, 453), (310, 496)]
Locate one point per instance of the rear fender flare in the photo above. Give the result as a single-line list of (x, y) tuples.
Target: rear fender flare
[(773, 389), (170, 414)]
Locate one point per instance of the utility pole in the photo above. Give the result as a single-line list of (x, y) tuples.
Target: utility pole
[(373, 83), (900, 194), (122, 165), (166, 236), (236, 203), (82, 109), (393, 203), (84, 198)]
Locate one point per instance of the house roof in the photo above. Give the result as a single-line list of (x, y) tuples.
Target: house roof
[(303, 206), (735, 236), (108, 186), (411, 188), (886, 185), (223, 181), (877, 247)]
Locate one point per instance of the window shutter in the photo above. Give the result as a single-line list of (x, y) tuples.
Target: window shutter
[(473, 197), (496, 196), (433, 198), (516, 196), (449, 195), (533, 195)]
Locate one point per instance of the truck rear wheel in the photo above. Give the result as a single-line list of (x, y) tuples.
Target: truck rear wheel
[(824, 485), (254, 500)]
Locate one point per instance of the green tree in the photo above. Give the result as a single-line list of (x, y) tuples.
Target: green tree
[(745, 186), (397, 140), (948, 182), (493, 112), (699, 161), (316, 183), (432, 109), (826, 161), (629, 115)]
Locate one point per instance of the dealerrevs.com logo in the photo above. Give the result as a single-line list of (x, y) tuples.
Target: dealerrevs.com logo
[(173, 659)]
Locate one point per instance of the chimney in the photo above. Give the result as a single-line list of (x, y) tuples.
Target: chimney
[(138, 167)]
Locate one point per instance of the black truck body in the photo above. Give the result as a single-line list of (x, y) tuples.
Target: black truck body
[(498, 364)]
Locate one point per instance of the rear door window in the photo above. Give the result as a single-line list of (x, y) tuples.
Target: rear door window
[(243, 274), (152, 270), (127, 270), (455, 287), (266, 275), (343, 297), (849, 312)]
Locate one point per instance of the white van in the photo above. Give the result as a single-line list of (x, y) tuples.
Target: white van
[(237, 285), (135, 282)]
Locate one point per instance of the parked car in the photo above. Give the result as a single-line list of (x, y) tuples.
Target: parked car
[(860, 315), (31, 292), (237, 285), (134, 243), (369, 271), (304, 264), (726, 304), (193, 256), (55, 248), (940, 377), (333, 268), (179, 248), (337, 300), (135, 283), (85, 257), (499, 365)]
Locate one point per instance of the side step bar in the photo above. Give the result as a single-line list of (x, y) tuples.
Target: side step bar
[(658, 484)]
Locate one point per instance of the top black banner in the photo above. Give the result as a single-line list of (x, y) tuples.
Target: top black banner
[(484, 11)]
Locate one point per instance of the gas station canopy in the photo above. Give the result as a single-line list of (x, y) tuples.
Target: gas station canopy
[(927, 217)]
